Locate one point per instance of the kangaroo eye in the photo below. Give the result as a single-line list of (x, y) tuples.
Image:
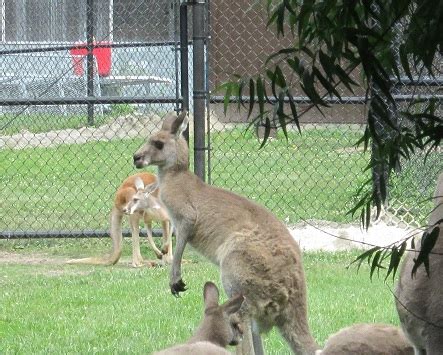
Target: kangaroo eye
[(158, 145)]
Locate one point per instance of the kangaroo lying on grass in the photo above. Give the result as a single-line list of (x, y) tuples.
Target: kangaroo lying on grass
[(419, 299), (220, 326), (138, 201), (257, 256), (368, 339)]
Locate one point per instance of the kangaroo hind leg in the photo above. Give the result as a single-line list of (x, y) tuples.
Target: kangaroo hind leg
[(137, 259), (148, 224)]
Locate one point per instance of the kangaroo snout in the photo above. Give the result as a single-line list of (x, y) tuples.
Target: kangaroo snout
[(138, 160), (234, 342)]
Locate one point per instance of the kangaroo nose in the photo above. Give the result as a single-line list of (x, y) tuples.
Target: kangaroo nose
[(138, 160)]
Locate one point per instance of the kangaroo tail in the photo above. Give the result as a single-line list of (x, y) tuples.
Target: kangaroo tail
[(117, 239), (93, 261)]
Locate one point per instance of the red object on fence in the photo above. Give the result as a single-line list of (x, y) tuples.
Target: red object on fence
[(102, 56)]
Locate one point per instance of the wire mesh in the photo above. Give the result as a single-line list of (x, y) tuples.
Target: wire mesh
[(68, 129), (70, 122), (313, 175)]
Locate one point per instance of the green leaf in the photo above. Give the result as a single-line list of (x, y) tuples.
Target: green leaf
[(368, 215), (403, 54), (227, 97), (427, 244), (284, 52), (365, 256), (326, 84), (280, 19), (396, 256), (267, 132), (279, 77), (375, 263), (261, 94), (240, 88), (359, 204), (294, 111), (345, 78), (280, 113), (251, 96)]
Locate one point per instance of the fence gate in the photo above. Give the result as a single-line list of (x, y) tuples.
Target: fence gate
[(82, 84)]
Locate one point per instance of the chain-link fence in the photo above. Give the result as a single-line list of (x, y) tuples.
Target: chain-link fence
[(84, 82), (314, 175)]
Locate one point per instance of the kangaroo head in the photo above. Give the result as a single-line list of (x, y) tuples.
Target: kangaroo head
[(142, 199), (221, 323), (166, 148)]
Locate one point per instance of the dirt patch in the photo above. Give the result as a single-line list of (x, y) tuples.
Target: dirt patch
[(124, 127), (30, 259), (129, 126), (332, 237)]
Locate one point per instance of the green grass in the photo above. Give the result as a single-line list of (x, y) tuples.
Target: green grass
[(55, 309), (310, 176), (314, 175), (71, 187)]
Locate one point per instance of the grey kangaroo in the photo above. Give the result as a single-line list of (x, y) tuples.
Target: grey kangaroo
[(219, 328), (257, 255), (368, 339), (419, 299)]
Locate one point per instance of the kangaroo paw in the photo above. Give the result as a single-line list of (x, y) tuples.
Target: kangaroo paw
[(165, 249), (178, 287), (159, 256)]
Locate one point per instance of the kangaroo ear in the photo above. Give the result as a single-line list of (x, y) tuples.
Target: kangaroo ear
[(210, 294), (179, 125), (150, 188), (233, 304), (139, 184)]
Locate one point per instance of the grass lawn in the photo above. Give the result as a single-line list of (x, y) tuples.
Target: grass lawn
[(311, 176), (71, 187), (52, 308)]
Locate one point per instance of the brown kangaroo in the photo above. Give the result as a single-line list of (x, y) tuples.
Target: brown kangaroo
[(131, 199), (220, 326), (257, 256), (419, 299), (368, 339)]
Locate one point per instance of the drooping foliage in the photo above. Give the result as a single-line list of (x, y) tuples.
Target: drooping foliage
[(389, 42)]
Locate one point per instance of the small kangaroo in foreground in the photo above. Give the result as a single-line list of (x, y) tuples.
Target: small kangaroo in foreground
[(136, 198), (257, 256), (419, 299), (368, 339), (220, 326)]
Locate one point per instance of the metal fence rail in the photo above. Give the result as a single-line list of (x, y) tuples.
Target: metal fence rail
[(79, 93), (77, 98), (315, 175)]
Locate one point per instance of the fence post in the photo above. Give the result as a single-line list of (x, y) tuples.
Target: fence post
[(199, 91), (184, 63), (90, 58)]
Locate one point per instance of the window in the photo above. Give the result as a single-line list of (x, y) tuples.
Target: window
[(52, 20), (65, 20)]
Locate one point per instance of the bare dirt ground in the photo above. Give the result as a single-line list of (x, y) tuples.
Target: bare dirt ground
[(335, 237), (30, 259), (129, 126), (123, 127), (318, 236)]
